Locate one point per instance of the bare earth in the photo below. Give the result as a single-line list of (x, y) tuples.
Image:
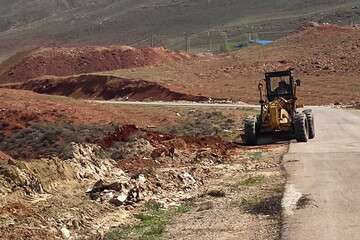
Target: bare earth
[(250, 208), (328, 69)]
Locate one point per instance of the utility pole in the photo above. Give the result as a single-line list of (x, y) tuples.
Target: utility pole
[(209, 34), (209, 41), (352, 23), (187, 42)]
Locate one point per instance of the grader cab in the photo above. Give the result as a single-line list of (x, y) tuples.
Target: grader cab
[(279, 113)]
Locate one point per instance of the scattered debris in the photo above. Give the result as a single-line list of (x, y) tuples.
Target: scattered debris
[(117, 193), (216, 193)]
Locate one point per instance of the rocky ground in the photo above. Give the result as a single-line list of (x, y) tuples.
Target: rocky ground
[(243, 203), (76, 170), (100, 188)]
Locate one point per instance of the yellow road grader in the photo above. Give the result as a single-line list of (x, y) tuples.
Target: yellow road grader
[(279, 113)]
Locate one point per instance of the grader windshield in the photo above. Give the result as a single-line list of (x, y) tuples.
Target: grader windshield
[(279, 84)]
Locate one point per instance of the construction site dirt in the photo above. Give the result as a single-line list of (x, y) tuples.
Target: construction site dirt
[(75, 168)]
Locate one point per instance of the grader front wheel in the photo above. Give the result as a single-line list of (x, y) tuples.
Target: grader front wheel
[(250, 131)]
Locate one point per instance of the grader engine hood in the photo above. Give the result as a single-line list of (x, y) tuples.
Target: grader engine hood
[(277, 117)]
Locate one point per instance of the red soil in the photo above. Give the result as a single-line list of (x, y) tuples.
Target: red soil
[(4, 157), (19, 108), (104, 87), (64, 61), (165, 144)]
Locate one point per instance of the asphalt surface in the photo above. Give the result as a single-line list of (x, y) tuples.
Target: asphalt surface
[(322, 196)]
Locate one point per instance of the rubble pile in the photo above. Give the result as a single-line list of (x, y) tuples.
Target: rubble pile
[(14, 178), (96, 185), (119, 193)]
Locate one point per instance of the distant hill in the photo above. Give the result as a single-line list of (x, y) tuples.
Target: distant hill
[(28, 23)]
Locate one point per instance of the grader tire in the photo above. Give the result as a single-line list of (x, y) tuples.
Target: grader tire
[(301, 127), (250, 131), (311, 122)]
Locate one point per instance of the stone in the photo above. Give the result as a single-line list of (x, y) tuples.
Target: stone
[(65, 233), (119, 200), (187, 179), (141, 179), (205, 206), (75, 224), (216, 193)]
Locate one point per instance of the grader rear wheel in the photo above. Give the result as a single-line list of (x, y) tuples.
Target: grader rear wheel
[(301, 127), (310, 119)]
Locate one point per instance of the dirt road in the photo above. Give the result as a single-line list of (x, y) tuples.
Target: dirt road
[(180, 103), (322, 195)]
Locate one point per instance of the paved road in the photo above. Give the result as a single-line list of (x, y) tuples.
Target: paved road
[(328, 169)]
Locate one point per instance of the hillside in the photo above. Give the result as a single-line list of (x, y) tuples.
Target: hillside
[(329, 69), (25, 24), (75, 60)]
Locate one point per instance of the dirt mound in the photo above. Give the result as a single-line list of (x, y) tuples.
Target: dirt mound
[(64, 61), (104, 87)]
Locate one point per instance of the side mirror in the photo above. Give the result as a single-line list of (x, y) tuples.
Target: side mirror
[(298, 83)]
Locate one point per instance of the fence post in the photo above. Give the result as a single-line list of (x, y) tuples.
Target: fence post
[(225, 36), (152, 40), (209, 41)]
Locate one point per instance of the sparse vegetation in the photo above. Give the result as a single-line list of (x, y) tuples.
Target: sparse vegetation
[(252, 181), (152, 223), (201, 16), (255, 155), (260, 205), (198, 123), (49, 139)]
